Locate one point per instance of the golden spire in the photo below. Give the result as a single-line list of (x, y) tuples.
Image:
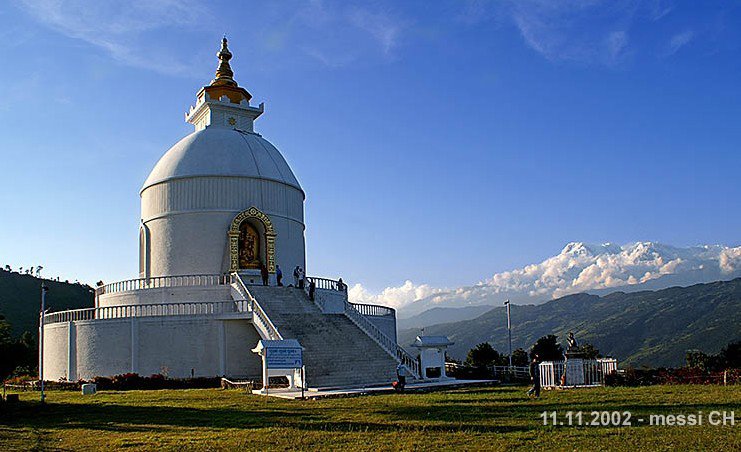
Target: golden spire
[(224, 74)]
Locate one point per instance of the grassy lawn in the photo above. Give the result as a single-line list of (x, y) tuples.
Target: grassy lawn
[(466, 419)]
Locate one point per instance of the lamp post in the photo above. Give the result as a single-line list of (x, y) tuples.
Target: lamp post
[(509, 332), (44, 289)]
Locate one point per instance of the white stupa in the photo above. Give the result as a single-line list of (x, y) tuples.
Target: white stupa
[(219, 210)]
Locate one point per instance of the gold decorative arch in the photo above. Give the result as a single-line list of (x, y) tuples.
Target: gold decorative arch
[(255, 214)]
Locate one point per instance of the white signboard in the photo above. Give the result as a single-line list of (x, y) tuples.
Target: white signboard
[(283, 358)]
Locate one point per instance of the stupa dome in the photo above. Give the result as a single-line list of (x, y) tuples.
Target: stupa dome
[(220, 151)]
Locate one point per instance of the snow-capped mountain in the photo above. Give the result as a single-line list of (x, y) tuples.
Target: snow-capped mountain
[(579, 267)]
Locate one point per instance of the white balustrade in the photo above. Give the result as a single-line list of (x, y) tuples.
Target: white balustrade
[(374, 310), (327, 284), (259, 317), (146, 310), (156, 282)]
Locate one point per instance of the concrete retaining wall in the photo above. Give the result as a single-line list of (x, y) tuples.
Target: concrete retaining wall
[(172, 346), (387, 324)]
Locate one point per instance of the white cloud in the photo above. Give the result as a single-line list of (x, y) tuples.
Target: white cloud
[(617, 42), (730, 260), (337, 34), (678, 41), (392, 296), (384, 29), (579, 267), (118, 27), (593, 31), (659, 10)]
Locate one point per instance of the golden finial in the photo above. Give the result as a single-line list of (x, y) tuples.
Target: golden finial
[(224, 74)]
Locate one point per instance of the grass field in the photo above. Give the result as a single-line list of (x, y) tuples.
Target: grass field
[(466, 419)]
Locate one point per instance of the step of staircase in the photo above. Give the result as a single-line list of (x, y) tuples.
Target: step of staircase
[(336, 351)]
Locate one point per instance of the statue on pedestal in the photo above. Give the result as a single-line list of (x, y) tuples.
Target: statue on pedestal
[(573, 363), (572, 349), (571, 341)]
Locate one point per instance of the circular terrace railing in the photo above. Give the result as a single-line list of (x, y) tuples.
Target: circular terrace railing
[(156, 282), (148, 310)]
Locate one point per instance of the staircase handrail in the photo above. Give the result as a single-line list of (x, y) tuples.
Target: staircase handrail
[(257, 311), (390, 345)]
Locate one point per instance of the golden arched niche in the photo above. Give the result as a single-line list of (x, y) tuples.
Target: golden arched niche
[(256, 216)]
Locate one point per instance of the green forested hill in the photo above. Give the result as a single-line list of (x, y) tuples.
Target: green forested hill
[(654, 328), (20, 299)]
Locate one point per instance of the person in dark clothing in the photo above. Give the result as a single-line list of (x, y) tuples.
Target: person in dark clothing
[(341, 285), (264, 273), (279, 275), (401, 375), (535, 377), (312, 288)]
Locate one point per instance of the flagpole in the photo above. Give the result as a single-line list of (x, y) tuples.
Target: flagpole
[(44, 289)]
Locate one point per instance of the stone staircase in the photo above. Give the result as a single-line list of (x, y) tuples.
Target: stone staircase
[(336, 351)]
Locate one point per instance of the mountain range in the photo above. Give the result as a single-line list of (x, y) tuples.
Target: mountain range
[(653, 328), (579, 268)]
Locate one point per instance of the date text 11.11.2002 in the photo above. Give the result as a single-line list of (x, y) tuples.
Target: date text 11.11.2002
[(592, 418)]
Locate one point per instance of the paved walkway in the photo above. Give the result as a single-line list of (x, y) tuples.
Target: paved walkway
[(320, 393)]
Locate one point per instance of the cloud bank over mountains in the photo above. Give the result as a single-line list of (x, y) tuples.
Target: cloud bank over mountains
[(579, 267)]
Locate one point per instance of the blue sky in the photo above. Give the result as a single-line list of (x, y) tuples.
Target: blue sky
[(440, 142)]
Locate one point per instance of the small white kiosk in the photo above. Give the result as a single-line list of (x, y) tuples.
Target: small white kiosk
[(281, 358), (432, 356)]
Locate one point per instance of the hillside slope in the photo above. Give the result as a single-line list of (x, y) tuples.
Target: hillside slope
[(20, 299), (651, 328), (440, 315)]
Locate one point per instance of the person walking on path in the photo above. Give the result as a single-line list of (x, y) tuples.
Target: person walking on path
[(279, 275), (535, 377), (401, 375), (295, 276), (264, 273), (300, 278)]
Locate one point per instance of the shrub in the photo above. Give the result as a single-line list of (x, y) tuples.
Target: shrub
[(129, 381)]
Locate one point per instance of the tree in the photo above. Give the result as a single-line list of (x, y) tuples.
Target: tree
[(7, 350), (519, 358), (16, 353), (731, 355), (696, 359), (482, 355), (547, 348), (589, 351)]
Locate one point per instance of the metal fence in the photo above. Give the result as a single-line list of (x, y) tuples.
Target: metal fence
[(576, 373)]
